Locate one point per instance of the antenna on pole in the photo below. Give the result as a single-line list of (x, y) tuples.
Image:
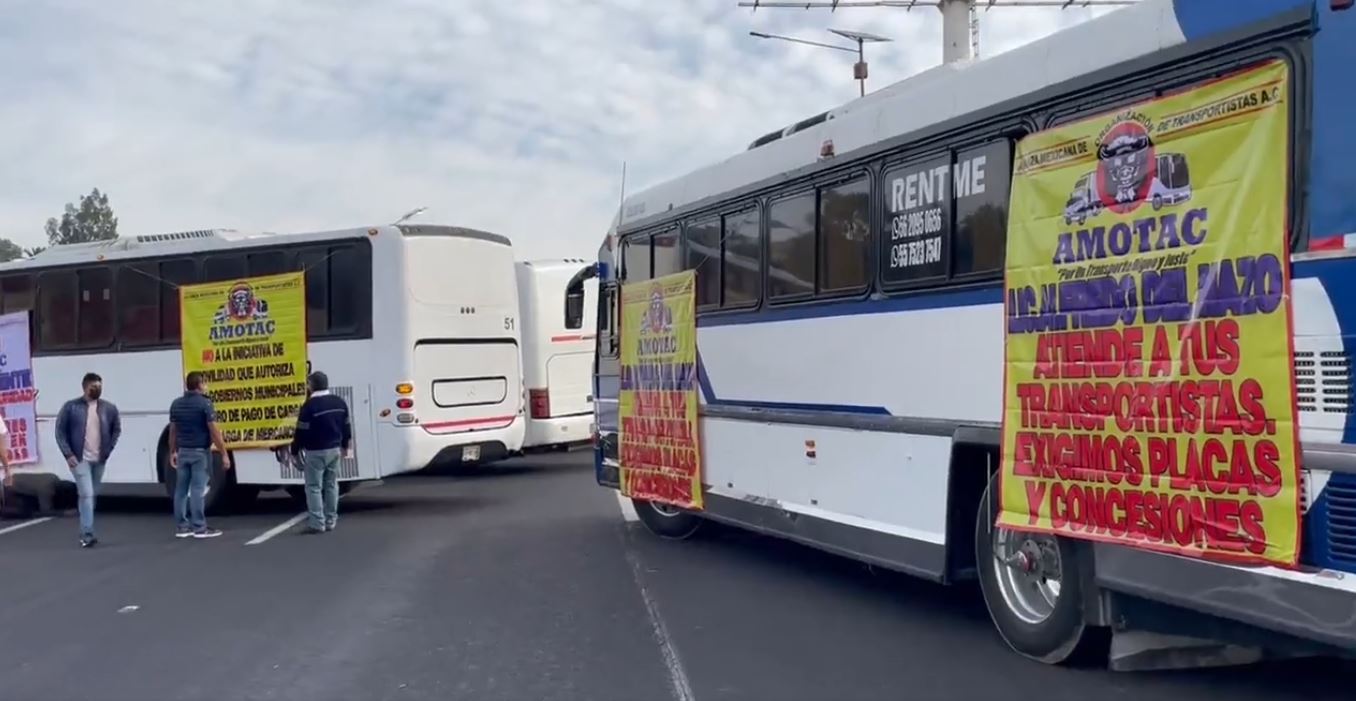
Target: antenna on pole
[(960, 18), (410, 215)]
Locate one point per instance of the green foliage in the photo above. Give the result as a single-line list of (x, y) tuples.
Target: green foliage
[(93, 220)]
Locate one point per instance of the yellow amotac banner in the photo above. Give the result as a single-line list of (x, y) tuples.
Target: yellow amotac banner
[(249, 338), (1148, 398), (660, 456)]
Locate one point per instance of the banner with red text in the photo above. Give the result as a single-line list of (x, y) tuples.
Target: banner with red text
[(659, 456), (18, 394), (1149, 399)]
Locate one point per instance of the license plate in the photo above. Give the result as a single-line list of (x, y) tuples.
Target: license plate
[(470, 453)]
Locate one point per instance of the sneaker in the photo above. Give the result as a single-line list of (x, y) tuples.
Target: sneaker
[(206, 533), (183, 533), (87, 541), (329, 527)]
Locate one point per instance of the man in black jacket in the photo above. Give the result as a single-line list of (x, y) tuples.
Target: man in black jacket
[(87, 430), (323, 432)]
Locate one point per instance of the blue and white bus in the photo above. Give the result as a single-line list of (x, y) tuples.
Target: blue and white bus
[(856, 410)]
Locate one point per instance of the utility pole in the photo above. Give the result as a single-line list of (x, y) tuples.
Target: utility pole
[(960, 18)]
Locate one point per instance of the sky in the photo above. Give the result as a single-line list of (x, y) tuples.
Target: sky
[(513, 116)]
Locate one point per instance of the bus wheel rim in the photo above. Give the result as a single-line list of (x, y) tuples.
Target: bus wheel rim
[(1029, 571), (665, 510)]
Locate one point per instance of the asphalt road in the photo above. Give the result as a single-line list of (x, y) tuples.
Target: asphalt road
[(522, 582)]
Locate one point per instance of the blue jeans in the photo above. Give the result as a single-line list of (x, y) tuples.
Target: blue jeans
[(89, 477), (322, 488), (190, 484)]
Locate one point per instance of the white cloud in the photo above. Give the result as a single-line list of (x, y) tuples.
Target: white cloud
[(509, 115)]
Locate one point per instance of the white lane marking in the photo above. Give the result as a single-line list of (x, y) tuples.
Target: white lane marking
[(25, 524), (627, 508), (280, 528), (678, 683)]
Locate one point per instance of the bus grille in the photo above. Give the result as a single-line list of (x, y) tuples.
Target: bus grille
[(348, 467), (1323, 381), (1340, 495)]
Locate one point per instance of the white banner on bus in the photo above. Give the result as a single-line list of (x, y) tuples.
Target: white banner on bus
[(18, 396)]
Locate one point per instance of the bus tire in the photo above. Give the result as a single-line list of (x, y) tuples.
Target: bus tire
[(1158, 202), (666, 521), (1018, 594)]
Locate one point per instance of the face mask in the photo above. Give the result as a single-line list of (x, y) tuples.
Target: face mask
[(96, 392)]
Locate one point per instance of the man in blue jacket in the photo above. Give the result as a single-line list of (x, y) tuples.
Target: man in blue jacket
[(323, 431), (87, 430)]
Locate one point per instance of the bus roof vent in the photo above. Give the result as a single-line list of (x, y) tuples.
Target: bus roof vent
[(176, 236), (804, 124), (765, 139)]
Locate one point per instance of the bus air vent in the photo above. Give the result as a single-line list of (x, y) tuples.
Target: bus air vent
[(1334, 368), (1306, 381), (175, 236), (1341, 497)]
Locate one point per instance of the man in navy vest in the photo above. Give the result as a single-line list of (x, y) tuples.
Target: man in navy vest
[(87, 430), (323, 433)]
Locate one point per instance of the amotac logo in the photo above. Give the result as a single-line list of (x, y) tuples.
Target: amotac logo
[(1126, 162), (658, 318), (243, 315)]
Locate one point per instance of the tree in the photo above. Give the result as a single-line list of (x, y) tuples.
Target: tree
[(10, 251), (30, 252), (92, 221)]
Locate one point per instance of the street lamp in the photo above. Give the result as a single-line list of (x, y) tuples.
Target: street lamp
[(859, 69)]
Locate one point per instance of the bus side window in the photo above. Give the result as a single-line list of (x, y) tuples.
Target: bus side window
[(347, 291), (315, 261), (703, 256), (741, 259), (16, 292), (981, 207), (845, 236), (16, 295), (138, 305), (636, 259), (791, 247), (269, 263), (667, 255), (96, 307), (57, 310), (172, 274), (224, 267)]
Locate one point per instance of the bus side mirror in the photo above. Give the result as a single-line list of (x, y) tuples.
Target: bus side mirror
[(574, 296), (574, 307)]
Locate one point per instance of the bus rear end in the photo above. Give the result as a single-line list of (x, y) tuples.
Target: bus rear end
[(557, 352), (460, 397)]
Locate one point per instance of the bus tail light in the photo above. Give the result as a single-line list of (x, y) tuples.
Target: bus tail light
[(404, 403), (540, 401), (405, 388), (404, 418)]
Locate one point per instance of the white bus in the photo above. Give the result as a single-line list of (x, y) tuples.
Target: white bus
[(854, 404), (416, 326), (557, 352)]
